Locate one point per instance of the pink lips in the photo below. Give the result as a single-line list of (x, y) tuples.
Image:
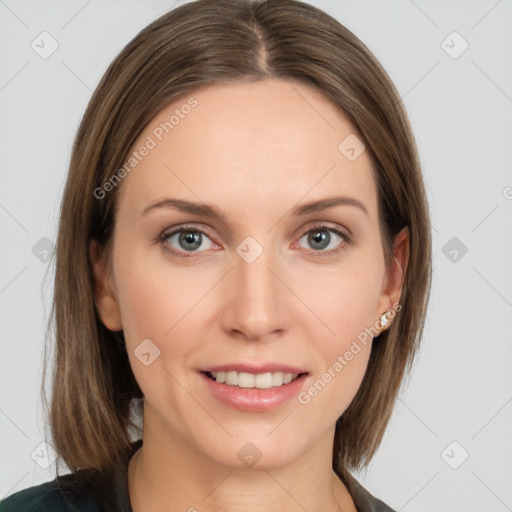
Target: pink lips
[(253, 399), (262, 368)]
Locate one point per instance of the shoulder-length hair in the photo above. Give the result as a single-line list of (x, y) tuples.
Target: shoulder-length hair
[(196, 44)]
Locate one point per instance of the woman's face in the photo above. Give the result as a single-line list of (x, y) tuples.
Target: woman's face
[(266, 285)]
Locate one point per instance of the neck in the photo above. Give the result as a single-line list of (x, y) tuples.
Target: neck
[(168, 474)]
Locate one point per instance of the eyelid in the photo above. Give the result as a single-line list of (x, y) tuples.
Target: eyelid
[(184, 227), (327, 225)]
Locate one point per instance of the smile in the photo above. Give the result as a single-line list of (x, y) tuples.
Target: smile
[(253, 392), (250, 380)]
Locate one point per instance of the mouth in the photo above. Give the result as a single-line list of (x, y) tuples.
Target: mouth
[(254, 387), (248, 380)]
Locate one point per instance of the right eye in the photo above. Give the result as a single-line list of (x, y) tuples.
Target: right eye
[(183, 240)]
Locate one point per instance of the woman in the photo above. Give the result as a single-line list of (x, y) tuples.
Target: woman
[(244, 250)]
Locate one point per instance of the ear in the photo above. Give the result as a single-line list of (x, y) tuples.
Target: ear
[(395, 273), (104, 291)]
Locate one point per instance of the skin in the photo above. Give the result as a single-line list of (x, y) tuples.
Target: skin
[(255, 151)]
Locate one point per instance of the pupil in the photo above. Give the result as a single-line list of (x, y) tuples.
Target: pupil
[(321, 237), (192, 238)]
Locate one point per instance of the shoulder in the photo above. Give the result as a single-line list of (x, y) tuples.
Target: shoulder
[(85, 490), (363, 499), (63, 494)]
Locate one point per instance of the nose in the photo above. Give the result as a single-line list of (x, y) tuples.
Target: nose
[(255, 304)]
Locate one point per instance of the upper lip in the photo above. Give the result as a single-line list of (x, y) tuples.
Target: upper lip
[(256, 369)]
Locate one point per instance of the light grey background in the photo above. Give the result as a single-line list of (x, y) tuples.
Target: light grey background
[(461, 112)]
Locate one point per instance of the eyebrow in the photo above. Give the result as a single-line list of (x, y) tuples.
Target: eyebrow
[(207, 210)]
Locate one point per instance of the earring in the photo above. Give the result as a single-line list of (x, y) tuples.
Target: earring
[(384, 320)]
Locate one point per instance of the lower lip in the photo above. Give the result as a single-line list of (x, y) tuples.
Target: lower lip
[(253, 399)]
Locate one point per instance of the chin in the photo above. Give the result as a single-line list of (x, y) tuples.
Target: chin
[(255, 452)]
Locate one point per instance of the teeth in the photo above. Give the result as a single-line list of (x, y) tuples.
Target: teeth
[(250, 380), (278, 378)]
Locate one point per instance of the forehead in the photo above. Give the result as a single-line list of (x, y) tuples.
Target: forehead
[(261, 145)]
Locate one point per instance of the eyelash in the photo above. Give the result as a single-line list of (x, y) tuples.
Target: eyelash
[(321, 226)]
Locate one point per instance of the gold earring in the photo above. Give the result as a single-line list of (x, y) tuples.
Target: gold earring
[(384, 321)]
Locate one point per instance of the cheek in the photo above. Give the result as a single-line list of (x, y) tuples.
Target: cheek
[(344, 297), (155, 305), (167, 305), (342, 344), (153, 296), (330, 393), (151, 306)]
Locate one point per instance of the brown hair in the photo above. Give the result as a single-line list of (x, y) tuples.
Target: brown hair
[(196, 44)]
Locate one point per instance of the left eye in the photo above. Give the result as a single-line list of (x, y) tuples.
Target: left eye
[(321, 238)]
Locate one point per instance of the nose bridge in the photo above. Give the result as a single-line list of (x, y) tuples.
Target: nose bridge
[(255, 300)]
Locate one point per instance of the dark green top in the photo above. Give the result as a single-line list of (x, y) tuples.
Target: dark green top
[(79, 492)]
